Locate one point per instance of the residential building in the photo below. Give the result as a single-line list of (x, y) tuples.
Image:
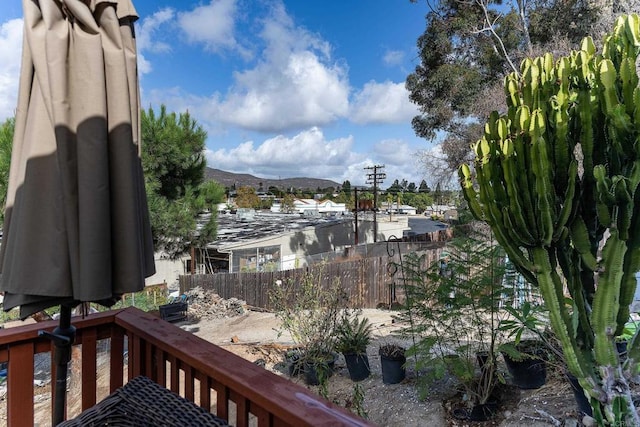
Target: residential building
[(312, 206)]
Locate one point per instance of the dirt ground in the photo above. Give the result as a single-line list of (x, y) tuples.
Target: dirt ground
[(253, 336)]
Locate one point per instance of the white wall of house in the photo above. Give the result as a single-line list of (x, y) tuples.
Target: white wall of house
[(400, 209), (167, 271), (438, 210), (311, 205), (298, 247)]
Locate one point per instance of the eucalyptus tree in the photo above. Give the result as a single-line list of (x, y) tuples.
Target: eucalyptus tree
[(467, 49)]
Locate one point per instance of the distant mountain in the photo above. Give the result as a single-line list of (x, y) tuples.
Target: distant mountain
[(228, 179)]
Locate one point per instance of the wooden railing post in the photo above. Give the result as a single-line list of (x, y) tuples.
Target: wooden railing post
[(20, 385)]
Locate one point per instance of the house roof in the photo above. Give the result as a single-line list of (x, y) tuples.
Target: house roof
[(232, 230), (235, 230)]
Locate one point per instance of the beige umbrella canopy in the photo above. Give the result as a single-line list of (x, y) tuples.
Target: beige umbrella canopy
[(76, 225)]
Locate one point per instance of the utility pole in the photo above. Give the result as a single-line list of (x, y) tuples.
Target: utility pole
[(355, 190), (376, 177)]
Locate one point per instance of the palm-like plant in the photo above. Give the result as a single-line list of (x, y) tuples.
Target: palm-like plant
[(353, 334)]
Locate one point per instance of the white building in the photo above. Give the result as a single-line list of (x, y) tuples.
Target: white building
[(441, 211), (401, 209), (311, 206)]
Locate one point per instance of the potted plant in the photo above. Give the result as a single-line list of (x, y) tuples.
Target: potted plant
[(353, 337), (629, 330), (310, 314), (318, 361), (454, 320), (392, 361), (525, 358), (525, 361)]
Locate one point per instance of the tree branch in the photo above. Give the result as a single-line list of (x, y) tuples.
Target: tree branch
[(490, 28), (522, 6)]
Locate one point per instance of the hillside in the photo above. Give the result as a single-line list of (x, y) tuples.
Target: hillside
[(228, 179)]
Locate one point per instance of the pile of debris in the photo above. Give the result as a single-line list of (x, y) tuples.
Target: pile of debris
[(204, 304)]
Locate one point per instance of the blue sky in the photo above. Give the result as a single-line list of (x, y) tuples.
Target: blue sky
[(284, 88)]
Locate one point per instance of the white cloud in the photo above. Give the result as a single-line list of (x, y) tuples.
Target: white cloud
[(293, 85), (310, 154), (307, 154), (393, 57), (386, 102), (399, 159), (394, 151), (213, 25), (10, 54), (149, 37)]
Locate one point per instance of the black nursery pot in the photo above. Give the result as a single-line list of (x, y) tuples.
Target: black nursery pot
[(584, 406), (621, 346), (393, 370), (314, 370), (528, 373), (312, 374), (358, 366), (293, 362), (483, 412)]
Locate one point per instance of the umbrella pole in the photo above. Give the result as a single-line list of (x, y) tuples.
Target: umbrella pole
[(62, 337)]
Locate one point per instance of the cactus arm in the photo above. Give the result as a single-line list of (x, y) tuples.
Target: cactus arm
[(604, 198), (631, 264), (629, 80), (495, 218), (567, 205), (469, 193), (632, 30), (636, 114), (628, 287), (624, 206), (558, 314), (582, 244), (542, 172), (559, 118), (515, 213), (607, 75), (525, 177), (583, 106), (529, 88), (606, 303), (570, 269), (512, 90)]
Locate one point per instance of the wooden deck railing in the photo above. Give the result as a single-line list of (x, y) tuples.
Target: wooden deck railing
[(213, 378)]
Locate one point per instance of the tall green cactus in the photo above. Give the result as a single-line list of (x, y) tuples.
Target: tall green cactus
[(556, 178)]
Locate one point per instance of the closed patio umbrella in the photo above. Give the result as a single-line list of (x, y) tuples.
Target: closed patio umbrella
[(76, 222)]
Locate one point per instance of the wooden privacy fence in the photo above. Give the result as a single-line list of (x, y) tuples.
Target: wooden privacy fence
[(368, 281)]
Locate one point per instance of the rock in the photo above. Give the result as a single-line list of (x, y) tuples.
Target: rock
[(209, 305), (588, 421), (570, 422), (235, 339)]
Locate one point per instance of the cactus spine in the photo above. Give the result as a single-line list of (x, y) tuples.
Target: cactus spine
[(552, 177)]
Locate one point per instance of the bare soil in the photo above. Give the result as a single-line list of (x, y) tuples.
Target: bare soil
[(253, 336)]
